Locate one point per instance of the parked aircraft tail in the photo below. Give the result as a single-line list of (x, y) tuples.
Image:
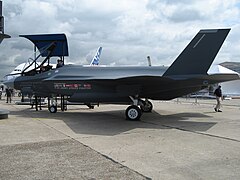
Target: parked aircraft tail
[(96, 58), (199, 54)]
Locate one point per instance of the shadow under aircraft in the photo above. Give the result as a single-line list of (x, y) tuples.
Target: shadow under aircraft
[(133, 85), (109, 122)]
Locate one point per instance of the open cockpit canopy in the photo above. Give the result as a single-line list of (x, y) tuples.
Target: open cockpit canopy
[(46, 46), (41, 41)]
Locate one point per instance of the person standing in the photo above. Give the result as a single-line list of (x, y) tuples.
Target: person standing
[(1, 92), (219, 97), (9, 95)]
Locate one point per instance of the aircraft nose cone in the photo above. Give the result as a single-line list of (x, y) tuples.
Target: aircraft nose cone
[(9, 81)]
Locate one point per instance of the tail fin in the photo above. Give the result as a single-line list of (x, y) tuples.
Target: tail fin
[(96, 58), (198, 56)]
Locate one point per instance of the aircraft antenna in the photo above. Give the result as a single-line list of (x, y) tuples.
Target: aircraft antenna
[(149, 61)]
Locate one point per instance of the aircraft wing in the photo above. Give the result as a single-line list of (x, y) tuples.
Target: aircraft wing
[(163, 88)]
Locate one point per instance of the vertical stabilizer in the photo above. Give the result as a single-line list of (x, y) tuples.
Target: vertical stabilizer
[(199, 54), (96, 58)]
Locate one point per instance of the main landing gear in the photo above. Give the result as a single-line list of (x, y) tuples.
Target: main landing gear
[(134, 113)]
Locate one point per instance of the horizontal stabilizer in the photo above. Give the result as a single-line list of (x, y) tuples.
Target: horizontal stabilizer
[(198, 56), (3, 36)]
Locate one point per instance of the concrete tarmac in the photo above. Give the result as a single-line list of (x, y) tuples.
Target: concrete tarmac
[(180, 139)]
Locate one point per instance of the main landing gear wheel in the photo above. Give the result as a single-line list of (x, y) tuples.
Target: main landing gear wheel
[(52, 109), (133, 113), (146, 106)]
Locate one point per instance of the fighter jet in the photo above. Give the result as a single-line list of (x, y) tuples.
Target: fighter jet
[(132, 85)]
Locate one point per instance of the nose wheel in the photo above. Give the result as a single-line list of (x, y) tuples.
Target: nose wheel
[(52, 109)]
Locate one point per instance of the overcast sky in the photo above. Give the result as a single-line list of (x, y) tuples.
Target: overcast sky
[(128, 30)]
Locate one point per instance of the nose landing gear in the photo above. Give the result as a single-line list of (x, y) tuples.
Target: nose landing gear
[(52, 109)]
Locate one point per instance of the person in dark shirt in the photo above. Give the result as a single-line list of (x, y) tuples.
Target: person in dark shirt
[(219, 97), (59, 63), (9, 95), (1, 92)]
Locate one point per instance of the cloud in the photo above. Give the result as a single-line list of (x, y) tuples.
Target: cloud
[(184, 15), (129, 31)]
